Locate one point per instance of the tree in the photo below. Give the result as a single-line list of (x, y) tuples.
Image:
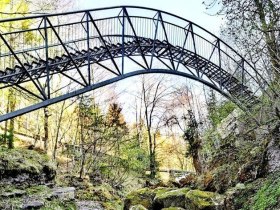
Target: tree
[(86, 126), (254, 26), (116, 123), (114, 116), (9, 9), (184, 107), (192, 137), (155, 96)]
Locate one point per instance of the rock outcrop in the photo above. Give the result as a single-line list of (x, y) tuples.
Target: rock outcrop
[(166, 198), (25, 167)]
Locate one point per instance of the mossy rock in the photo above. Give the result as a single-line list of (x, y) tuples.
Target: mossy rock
[(113, 205), (25, 166), (173, 208), (137, 207), (59, 205), (103, 192), (197, 200), (144, 197), (173, 198)]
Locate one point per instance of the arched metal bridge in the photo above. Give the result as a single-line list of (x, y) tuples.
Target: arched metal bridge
[(50, 58)]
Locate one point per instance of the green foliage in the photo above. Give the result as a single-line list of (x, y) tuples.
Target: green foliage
[(3, 139), (137, 158), (267, 196), (219, 112), (39, 190), (10, 139), (191, 134)]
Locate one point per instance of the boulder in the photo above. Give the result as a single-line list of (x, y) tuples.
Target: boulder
[(197, 200), (230, 125), (144, 197), (273, 155), (64, 193), (14, 193), (137, 207), (33, 204), (25, 167), (173, 198), (88, 205)]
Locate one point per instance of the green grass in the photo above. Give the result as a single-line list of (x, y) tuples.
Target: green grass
[(59, 205), (267, 197)]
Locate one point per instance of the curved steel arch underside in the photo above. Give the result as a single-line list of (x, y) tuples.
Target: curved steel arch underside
[(122, 41)]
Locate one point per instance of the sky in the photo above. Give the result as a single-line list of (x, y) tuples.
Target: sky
[(192, 10)]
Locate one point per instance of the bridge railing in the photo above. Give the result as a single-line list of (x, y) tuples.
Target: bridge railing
[(42, 38)]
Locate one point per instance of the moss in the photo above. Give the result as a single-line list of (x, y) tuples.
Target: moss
[(59, 205), (17, 161), (161, 190), (137, 207), (11, 203), (113, 205), (103, 192), (173, 198), (173, 193), (201, 199), (40, 190), (221, 111), (142, 197)]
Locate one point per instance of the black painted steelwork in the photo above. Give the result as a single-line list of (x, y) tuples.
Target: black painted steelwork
[(73, 45)]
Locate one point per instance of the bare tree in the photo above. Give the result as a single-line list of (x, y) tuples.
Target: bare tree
[(155, 96)]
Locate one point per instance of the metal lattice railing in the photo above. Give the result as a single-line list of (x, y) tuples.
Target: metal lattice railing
[(37, 51)]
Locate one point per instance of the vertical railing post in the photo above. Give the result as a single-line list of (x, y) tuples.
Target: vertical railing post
[(123, 31), (220, 61), (194, 48), (47, 57), (88, 49)]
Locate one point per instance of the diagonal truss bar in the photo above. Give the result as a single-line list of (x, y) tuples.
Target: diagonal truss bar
[(135, 36), (38, 86), (208, 61), (104, 43), (66, 50), (168, 43), (182, 50), (154, 44), (194, 46), (29, 92)]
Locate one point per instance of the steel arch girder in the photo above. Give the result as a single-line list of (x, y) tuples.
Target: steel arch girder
[(105, 83)]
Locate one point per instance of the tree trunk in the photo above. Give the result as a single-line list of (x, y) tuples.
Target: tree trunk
[(12, 104), (270, 40), (46, 129), (196, 163)]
